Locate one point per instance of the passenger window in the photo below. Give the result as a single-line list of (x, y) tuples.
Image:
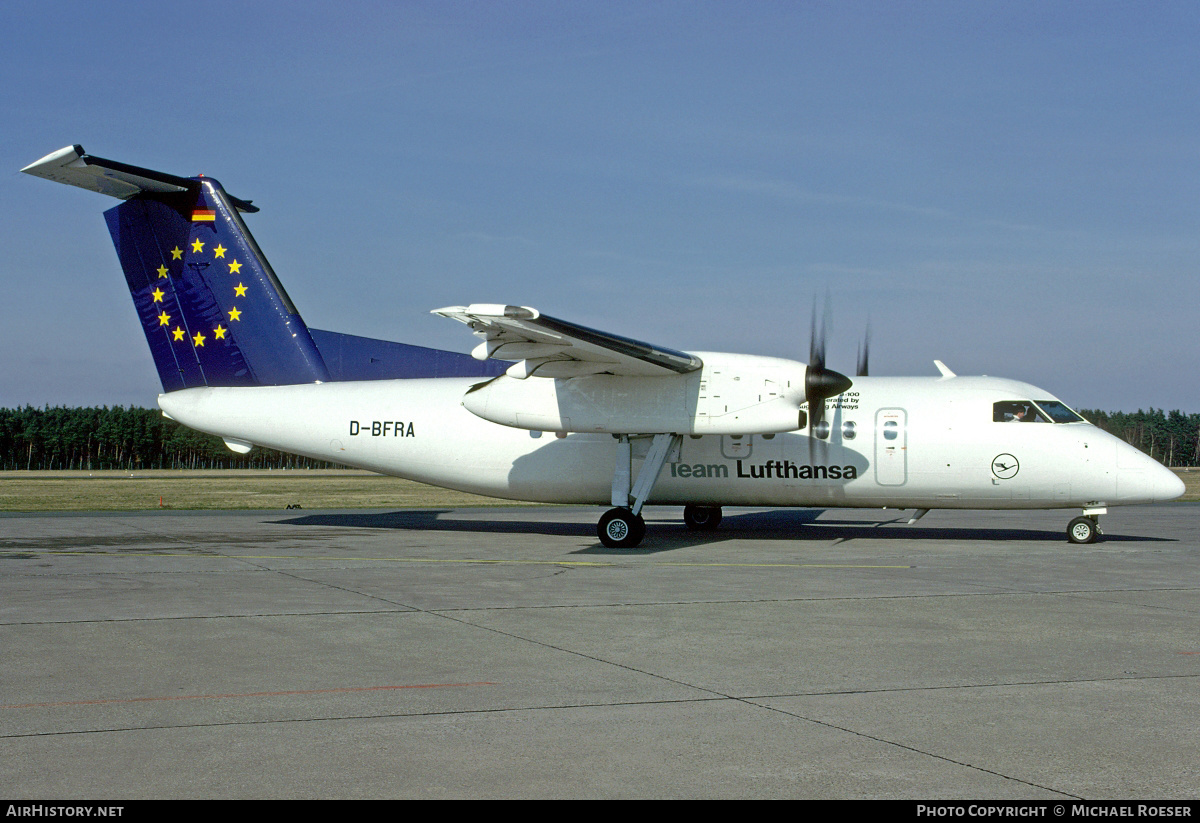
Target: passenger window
[(891, 430)]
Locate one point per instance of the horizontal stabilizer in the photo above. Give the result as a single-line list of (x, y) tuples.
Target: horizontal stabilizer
[(75, 167)]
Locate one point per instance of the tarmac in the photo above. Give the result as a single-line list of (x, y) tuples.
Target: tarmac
[(505, 653)]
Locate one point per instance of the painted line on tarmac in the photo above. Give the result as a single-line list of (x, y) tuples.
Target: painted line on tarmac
[(349, 690)]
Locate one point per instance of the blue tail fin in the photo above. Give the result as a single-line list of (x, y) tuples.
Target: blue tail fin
[(212, 309)]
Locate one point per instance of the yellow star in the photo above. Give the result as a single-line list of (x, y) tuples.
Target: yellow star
[(158, 295), (235, 267), (177, 332), (198, 340), (177, 253), (197, 245), (234, 314), (239, 290), (219, 332), (162, 271), (219, 251), (164, 319)]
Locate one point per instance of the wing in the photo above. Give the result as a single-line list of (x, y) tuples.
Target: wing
[(548, 347)]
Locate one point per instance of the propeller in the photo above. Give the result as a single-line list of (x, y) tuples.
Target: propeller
[(820, 383), (864, 353)]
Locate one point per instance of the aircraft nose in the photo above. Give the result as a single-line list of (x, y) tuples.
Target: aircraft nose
[(1142, 479), (1167, 485)]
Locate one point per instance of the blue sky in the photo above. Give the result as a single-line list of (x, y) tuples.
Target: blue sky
[(1013, 188)]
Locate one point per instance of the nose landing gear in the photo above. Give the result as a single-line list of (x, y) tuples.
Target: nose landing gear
[(1086, 529)]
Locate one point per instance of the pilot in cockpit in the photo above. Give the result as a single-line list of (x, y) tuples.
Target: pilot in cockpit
[(1015, 411)]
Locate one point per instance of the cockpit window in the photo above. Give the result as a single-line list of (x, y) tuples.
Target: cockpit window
[(1016, 411), (1058, 412)]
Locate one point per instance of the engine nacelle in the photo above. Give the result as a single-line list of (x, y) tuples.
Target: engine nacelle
[(730, 394)]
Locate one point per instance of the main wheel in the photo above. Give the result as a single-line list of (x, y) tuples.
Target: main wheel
[(1082, 530), (621, 529), (702, 518)]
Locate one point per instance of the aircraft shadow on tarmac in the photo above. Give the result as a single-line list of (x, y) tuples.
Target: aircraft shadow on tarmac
[(667, 535)]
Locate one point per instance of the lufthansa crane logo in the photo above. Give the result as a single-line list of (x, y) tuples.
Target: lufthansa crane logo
[(1005, 466)]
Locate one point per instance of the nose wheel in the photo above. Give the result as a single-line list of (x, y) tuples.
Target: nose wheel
[(1083, 530)]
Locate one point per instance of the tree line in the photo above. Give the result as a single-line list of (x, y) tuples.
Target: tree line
[(1171, 438), (97, 438)]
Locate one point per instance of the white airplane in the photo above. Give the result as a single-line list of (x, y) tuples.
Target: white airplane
[(549, 411)]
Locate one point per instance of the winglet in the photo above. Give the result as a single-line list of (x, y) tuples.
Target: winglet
[(942, 368)]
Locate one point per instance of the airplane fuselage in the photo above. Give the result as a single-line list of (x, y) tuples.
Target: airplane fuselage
[(893, 442)]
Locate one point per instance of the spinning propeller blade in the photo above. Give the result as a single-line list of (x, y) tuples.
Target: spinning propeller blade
[(820, 383), (864, 353)]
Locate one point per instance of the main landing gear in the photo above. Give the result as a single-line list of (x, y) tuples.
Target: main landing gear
[(1085, 529), (702, 518), (623, 526), (620, 528)]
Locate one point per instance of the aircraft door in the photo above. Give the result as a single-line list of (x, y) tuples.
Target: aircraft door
[(737, 446), (891, 447)]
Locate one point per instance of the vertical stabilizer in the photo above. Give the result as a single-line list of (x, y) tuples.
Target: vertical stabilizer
[(212, 309)]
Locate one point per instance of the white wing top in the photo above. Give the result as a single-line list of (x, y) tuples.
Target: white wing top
[(545, 346)]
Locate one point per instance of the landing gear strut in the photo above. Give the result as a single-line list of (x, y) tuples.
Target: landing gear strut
[(623, 526)]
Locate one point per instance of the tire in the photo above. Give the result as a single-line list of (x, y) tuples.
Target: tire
[(621, 529), (1082, 530), (702, 518)]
